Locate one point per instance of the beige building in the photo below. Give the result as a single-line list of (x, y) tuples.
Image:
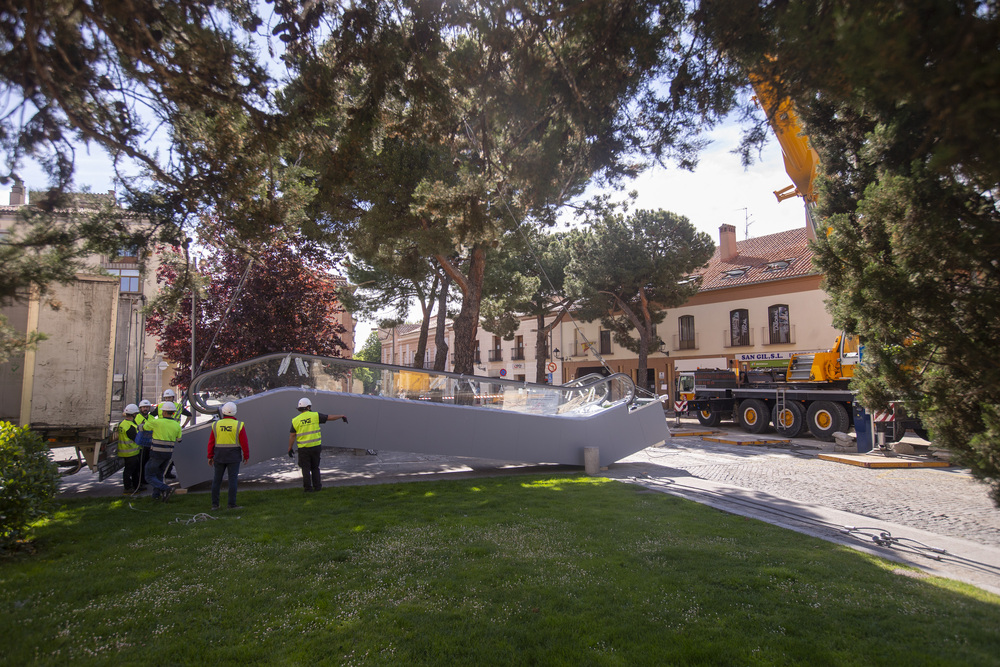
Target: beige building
[(759, 302), (494, 357)]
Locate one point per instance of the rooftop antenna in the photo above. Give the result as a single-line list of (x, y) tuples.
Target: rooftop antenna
[(746, 223)]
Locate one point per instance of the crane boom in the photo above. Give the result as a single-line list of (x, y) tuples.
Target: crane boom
[(801, 160)]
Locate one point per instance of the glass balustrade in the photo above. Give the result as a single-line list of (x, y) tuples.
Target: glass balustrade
[(580, 397)]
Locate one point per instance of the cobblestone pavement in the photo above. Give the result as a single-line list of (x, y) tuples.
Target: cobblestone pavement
[(945, 501)]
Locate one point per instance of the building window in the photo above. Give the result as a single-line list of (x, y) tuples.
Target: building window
[(685, 325), (605, 342), (778, 329), (129, 279), (478, 356), (739, 327), (496, 354), (126, 254), (517, 352)]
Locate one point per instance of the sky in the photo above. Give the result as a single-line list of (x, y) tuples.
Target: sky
[(720, 191)]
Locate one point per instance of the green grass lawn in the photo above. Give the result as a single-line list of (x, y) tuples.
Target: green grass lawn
[(514, 570)]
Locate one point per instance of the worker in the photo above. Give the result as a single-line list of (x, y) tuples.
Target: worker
[(128, 450), (169, 396), (227, 444), (166, 434), (305, 433), (140, 419)]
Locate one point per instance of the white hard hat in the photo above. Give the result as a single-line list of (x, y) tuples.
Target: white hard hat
[(229, 409), (131, 409), (167, 406), (145, 404), (169, 393), (305, 403)]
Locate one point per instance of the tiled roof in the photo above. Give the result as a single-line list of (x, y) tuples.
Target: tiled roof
[(762, 260), (404, 329)]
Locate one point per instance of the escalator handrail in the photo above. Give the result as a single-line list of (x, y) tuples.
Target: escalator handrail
[(198, 401)]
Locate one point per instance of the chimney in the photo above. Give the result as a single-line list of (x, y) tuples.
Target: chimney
[(17, 193), (727, 243)]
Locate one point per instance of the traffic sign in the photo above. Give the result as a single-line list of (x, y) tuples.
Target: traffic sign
[(552, 367)]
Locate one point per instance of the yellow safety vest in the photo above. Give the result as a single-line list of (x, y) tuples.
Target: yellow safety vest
[(166, 433), (178, 415), (306, 427), (227, 432), (126, 446)]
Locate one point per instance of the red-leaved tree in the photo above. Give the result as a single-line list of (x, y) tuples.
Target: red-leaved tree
[(287, 303)]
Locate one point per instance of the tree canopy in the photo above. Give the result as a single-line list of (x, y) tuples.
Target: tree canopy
[(505, 112)]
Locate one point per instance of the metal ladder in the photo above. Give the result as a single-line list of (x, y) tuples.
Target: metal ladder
[(779, 404)]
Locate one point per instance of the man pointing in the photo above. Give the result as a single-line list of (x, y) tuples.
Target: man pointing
[(306, 434)]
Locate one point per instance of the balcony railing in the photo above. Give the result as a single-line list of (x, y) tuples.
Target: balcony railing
[(517, 353), (744, 340), (496, 355), (767, 337), (685, 343)]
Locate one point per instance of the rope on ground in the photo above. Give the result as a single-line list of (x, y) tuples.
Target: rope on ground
[(884, 538), (194, 518)]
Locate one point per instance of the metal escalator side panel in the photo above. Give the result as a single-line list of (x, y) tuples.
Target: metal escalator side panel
[(406, 425)]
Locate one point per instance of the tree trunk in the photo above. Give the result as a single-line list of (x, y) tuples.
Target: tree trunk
[(440, 339), (467, 322), (540, 349), (426, 306), (645, 336), (542, 353)]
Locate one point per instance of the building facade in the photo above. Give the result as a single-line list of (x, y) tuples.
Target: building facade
[(759, 301)]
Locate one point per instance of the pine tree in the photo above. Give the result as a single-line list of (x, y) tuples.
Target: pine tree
[(627, 271)]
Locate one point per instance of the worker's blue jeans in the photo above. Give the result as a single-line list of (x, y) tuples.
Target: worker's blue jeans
[(155, 468), (234, 473)]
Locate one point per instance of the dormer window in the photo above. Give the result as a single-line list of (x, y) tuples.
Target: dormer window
[(779, 265), (735, 273)]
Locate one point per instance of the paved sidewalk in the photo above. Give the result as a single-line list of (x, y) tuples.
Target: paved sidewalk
[(785, 484)]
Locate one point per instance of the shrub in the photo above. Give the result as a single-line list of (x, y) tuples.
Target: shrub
[(29, 480)]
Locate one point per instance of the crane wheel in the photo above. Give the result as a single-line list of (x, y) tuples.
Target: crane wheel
[(709, 418), (825, 418), (791, 421), (753, 416)]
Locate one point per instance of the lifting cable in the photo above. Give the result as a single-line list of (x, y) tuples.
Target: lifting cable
[(222, 322)]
